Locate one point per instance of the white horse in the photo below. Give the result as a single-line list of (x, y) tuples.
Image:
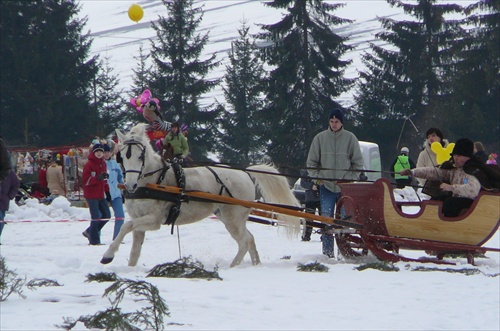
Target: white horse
[(142, 165)]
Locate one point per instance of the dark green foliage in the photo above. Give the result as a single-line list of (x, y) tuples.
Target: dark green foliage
[(102, 277), (382, 266), (108, 101), (241, 141), (411, 75), (147, 317), (111, 319), (475, 110), (183, 268), (306, 76), (465, 271), (46, 81), (41, 282), (179, 75), (312, 267), (9, 282), (142, 72)]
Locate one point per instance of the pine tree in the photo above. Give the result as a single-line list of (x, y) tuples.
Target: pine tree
[(476, 112), (141, 82), (109, 101), (307, 75), (46, 74), (179, 76), (411, 76), (241, 140)]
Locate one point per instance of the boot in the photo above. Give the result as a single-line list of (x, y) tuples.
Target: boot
[(307, 233), (327, 240)]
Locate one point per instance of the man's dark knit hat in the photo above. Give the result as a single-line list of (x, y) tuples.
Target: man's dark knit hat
[(464, 147), (337, 113)]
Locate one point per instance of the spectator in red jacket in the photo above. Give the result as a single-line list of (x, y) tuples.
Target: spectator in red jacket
[(95, 188), (43, 187)]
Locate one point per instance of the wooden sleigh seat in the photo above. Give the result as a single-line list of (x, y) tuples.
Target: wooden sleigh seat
[(373, 205), (474, 227)]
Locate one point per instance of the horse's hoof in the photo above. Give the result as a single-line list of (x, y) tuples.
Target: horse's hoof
[(106, 260)]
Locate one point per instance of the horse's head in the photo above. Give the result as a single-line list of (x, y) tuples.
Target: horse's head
[(134, 146)]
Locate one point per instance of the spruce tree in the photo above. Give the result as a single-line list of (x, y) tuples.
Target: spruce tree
[(141, 81), (476, 110), (109, 101), (46, 73), (307, 74), (409, 77), (241, 139), (179, 75)]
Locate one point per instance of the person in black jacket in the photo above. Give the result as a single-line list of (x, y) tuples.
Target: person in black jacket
[(5, 163), (479, 152), (312, 201)]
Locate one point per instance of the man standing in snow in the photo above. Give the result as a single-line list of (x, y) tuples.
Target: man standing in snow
[(333, 153)]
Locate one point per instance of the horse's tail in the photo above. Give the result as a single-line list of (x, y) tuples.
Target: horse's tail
[(275, 189)]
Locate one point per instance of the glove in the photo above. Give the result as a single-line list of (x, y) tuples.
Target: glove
[(103, 175), (405, 172), (363, 177), (178, 159), (108, 197)]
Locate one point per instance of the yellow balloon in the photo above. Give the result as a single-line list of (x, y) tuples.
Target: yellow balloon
[(442, 154), (135, 13)]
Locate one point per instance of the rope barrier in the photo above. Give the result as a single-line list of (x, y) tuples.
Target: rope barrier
[(62, 220), (67, 220)]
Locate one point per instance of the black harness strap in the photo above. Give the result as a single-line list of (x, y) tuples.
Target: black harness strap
[(146, 193), (175, 210), (222, 186)]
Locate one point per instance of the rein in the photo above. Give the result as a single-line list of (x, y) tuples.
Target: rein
[(128, 154)]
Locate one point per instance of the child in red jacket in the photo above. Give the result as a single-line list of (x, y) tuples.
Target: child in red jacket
[(95, 189)]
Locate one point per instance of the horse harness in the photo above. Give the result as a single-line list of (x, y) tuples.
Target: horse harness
[(178, 199)]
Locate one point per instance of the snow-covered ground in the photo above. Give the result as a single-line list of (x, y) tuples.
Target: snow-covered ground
[(45, 242)]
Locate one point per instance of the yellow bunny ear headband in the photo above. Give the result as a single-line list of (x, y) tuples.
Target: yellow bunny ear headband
[(442, 153)]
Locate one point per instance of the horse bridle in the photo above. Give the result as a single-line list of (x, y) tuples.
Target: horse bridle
[(128, 154)]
